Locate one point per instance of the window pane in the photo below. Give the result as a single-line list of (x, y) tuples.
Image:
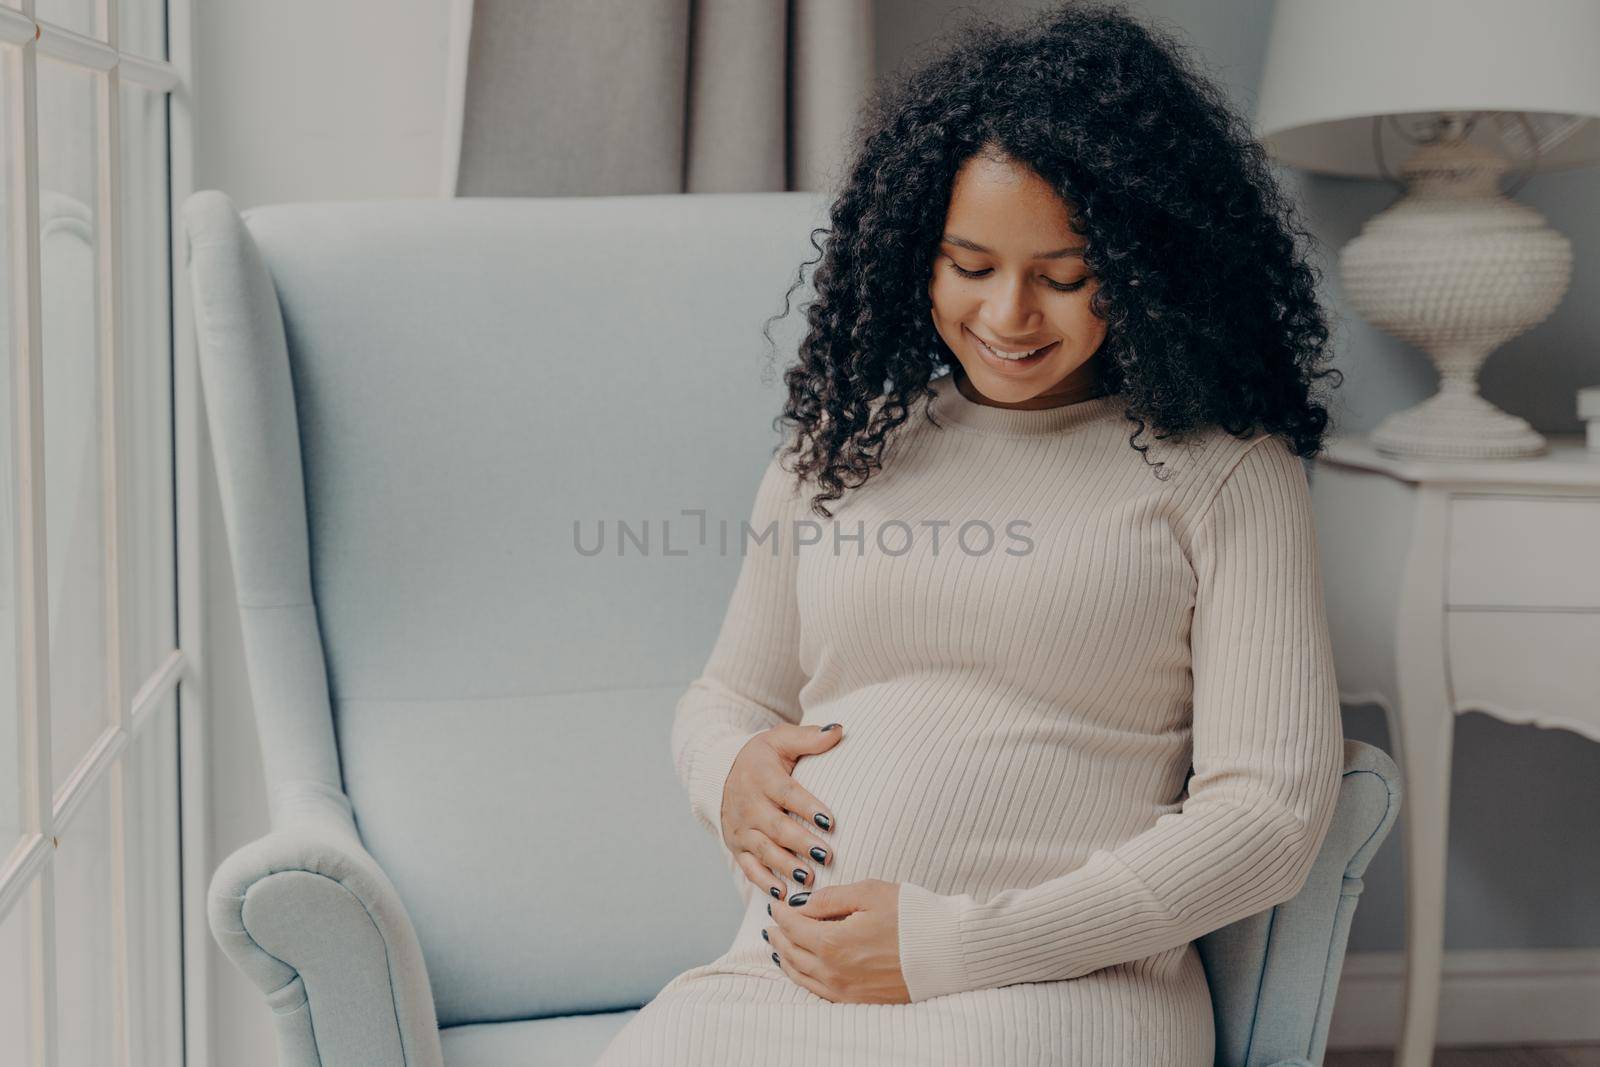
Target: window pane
[(10, 769), (142, 28), (149, 632), (16, 985), (85, 975), (75, 549), (69, 14), (153, 935)]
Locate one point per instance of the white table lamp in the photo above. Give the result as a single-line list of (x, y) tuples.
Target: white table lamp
[(1461, 91)]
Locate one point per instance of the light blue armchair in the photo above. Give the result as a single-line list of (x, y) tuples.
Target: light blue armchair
[(480, 854)]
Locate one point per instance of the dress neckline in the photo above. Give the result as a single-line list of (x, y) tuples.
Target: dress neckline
[(951, 407)]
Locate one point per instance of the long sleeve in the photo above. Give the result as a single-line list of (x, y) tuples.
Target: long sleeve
[(1267, 749), (753, 678)]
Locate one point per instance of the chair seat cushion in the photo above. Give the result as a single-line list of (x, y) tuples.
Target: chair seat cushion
[(559, 1041)]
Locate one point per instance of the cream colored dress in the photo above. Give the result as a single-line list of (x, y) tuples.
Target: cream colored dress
[(1021, 712)]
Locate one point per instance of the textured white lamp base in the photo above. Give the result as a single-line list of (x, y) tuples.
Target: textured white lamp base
[(1457, 269), (1457, 423)]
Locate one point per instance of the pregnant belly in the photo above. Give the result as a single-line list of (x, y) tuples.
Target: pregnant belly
[(957, 801)]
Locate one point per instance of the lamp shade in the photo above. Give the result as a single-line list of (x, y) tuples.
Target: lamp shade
[(1332, 67)]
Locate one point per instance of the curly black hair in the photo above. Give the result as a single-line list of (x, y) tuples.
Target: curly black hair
[(1211, 305)]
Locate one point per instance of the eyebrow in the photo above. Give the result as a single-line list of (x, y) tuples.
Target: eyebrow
[(973, 246)]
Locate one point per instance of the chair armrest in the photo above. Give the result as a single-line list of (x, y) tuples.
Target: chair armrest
[(309, 916), (1274, 975)]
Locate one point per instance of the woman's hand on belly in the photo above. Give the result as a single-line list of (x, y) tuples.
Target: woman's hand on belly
[(757, 798), (842, 942)]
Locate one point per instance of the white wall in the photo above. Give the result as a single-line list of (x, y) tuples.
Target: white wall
[(307, 101), (297, 100)]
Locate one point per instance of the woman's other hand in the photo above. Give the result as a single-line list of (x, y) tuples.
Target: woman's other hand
[(842, 942), (757, 796)]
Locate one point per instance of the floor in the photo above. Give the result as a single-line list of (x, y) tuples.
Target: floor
[(1521, 1056)]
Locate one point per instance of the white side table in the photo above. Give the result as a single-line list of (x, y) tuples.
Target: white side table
[(1451, 587)]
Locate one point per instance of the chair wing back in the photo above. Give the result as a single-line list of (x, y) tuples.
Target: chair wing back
[(426, 415), (1273, 975)]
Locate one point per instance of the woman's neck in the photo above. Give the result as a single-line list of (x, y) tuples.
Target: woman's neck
[(1052, 400)]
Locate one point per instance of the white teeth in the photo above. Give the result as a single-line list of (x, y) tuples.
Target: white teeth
[(1010, 355)]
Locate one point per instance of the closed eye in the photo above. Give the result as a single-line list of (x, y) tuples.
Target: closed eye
[(1059, 287)]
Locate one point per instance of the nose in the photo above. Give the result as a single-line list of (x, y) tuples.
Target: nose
[(1010, 310)]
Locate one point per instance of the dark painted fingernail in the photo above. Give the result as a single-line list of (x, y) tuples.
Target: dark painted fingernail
[(819, 853), (830, 726), (769, 909), (800, 875), (777, 894), (775, 959), (764, 936), (799, 899), (822, 821)]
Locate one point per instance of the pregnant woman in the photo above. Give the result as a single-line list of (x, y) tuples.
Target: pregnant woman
[(1048, 693)]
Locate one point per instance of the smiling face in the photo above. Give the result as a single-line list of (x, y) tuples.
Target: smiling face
[(1009, 273)]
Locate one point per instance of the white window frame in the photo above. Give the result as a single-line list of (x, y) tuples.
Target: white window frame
[(26, 875)]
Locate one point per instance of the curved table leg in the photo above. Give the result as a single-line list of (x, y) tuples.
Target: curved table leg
[(1424, 733)]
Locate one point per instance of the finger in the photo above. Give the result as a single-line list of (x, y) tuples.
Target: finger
[(796, 872), (802, 966), (829, 903), (792, 834), (807, 848), (797, 956), (809, 933), (794, 797), (759, 876), (813, 739), (778, 859), (791, 916), (785, 736), (775, 861), (795, 740)]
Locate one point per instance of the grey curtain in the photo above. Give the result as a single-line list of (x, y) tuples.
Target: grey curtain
[(605, 97)]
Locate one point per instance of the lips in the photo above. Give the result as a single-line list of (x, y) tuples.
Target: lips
[(1003, 365), (1011, 353), (1011, 350)]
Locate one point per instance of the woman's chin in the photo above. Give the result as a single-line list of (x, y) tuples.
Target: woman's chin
[(1014, 387)]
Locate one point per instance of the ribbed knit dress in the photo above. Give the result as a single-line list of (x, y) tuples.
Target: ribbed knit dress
[(1021, 714)]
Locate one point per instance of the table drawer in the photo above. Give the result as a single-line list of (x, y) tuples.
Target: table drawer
[(1523, 551), (1536, 666)]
